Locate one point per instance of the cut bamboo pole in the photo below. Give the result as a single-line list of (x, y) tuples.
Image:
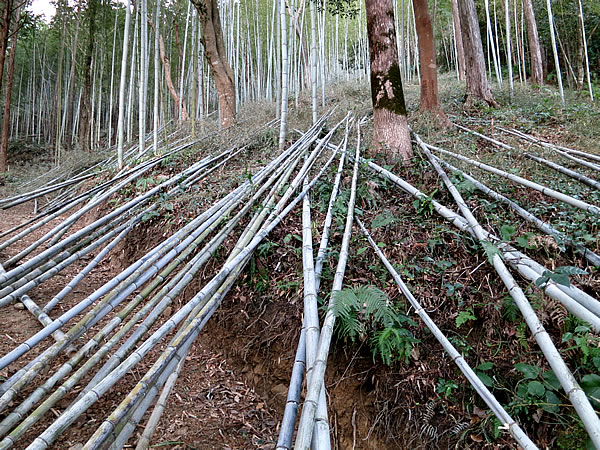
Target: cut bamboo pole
[(43, 318), (592, 257), (144, 441), (564, 151), (288, 422), (508, 423), (292, 403), (571, 173), (576, 395), (74, 379), (52, 432), (484, 137), (592, 209), (315, 382)]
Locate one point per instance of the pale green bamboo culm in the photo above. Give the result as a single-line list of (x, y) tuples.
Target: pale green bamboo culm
[(315, 382), (576, 395), (508, 423)]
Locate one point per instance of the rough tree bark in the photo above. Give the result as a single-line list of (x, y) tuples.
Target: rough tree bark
[(390, 126), (167, 66), (429, 81), (10, 72), (477, 82), (214, 49), (537, 71), (459, 43), (6, 10)]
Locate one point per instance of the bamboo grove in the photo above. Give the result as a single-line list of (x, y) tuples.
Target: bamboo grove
[(133, 86), (64, 88)]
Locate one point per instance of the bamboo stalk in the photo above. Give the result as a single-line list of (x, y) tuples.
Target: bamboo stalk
[(571, 173), (315, 382), (288, 421), (592, 209), (592, 257), (574, 392), (564, 151), (48, 436), (484, 137), (74, 379), (508, 423), (43, 318), (144, 441)]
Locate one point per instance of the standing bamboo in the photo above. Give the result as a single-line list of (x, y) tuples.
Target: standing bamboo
[(156, 76), (585, 52), (555, 52), (121, 120), (313, 61), (284, 75), (508, 48)]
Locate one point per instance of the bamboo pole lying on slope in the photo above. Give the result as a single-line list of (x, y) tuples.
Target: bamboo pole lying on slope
[(557, 167), (52, 432), (592, 209), (508, 423), (574, 299), (288, 421), (571, 173), (592, 257), (564, 151), (315, 382), (574, 392)]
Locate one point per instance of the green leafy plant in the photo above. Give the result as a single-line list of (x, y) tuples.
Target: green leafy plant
[(507, 232), (465, 316), (383, 219), (481, 370), (490, 250), (367, 310), (559, 276), (446, 387), (358, 307), (424, 205), (535, 390)]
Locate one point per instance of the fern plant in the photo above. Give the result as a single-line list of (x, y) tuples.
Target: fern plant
[(367, 310)]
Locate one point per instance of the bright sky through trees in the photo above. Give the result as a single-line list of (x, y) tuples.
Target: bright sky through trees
[(43, 7)]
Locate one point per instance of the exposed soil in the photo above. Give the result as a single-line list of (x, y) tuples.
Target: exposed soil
[(233, 387)]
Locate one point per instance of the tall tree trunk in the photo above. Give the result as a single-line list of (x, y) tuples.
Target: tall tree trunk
[(537, 71), (390, 126), (214, 49), (7, 7), (477, 82), (86, 107), (168, 79), (8, 94), (429, 82), (459, 42)]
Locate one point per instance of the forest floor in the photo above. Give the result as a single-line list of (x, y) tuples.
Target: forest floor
[(233, 388)]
